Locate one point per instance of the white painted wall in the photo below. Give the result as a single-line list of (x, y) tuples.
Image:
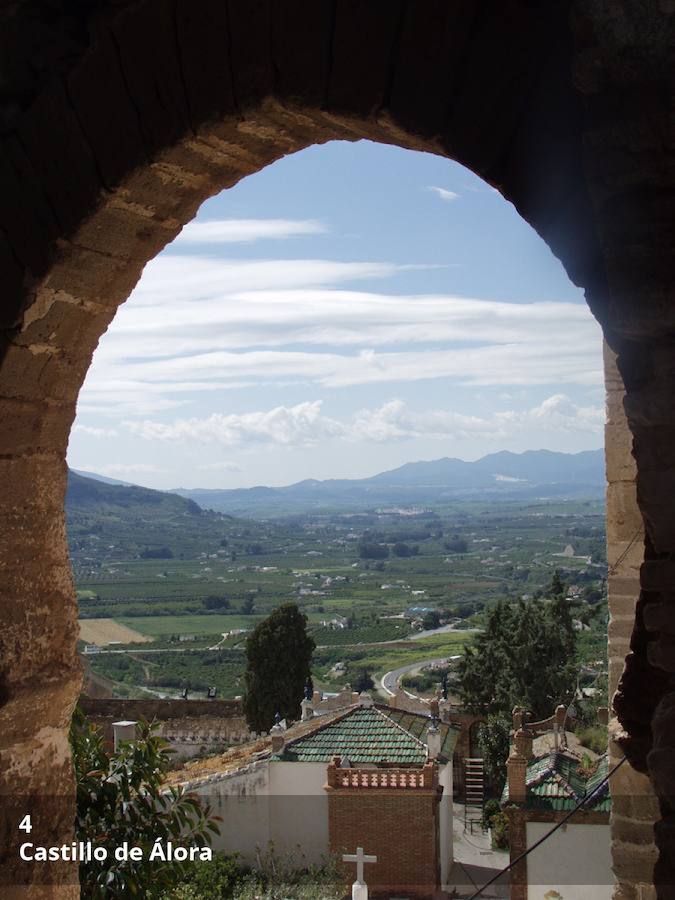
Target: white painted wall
[(285, 803), (575, 862), (299, 809), (242, 801), (445, 821), (277, 802)]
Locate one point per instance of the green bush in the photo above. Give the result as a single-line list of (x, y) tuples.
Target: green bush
[(490, 810), (500, 831), (594, 737), (273, 877), (214, 880), (290, 878)]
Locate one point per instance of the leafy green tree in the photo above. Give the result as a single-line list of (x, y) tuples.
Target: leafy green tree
[(279, 655), (121, 797), (213, 601), (456, 544), (402, 549), (431, 619), (373, 551), (524, 657), (364, 681), (494, 741)]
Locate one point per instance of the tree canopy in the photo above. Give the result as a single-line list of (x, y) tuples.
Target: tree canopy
[(526, 656), (279, 655), (121, 797), (373, 551), (364, 681)]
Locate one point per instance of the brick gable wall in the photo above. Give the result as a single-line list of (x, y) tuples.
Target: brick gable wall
[(398, 825)]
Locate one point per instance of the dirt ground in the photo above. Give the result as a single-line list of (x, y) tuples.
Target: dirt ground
[(103, 631)]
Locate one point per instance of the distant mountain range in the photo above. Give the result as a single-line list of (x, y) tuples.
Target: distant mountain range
[(504, 475)]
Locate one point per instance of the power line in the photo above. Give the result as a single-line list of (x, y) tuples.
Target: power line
[(548, 834), (625, 553)]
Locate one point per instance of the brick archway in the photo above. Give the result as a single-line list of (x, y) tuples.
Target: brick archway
[(144, 108)]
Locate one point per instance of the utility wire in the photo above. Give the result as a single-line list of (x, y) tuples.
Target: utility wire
[(548, 834), (625, 553)]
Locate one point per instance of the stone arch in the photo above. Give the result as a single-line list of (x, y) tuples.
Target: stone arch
[(144, 108)]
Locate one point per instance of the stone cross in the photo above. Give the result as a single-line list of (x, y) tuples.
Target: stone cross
[(359, 888)]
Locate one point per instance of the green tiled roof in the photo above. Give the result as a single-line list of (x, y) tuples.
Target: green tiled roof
[(367, 735), (554, 782), (417, 724)]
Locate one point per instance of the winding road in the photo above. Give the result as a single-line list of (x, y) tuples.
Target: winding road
[(390, 680)]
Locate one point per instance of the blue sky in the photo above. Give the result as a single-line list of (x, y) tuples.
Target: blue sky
[(348, 309)]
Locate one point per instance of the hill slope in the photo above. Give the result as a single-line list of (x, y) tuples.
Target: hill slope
[(119, 522)]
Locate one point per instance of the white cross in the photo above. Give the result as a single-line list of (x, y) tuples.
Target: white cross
[(359, 858)]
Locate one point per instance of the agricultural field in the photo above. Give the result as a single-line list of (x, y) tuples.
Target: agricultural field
[(365, 580), (168, 673), (106, 631)]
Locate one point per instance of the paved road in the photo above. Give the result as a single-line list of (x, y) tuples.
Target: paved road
[(390, 680), (443, 629)]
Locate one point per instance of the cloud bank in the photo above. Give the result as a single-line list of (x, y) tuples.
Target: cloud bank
[(305, 424), (196, 325), (235, 231)]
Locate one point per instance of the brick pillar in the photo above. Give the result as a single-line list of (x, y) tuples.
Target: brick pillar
[(516, 766), (634, 804)]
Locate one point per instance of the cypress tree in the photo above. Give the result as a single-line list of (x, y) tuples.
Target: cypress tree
[(279, 655)]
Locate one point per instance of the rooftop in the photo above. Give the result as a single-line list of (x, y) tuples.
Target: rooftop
[(558, 782), (370, 735)]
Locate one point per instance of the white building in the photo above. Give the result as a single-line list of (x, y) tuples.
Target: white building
[(368, 773)]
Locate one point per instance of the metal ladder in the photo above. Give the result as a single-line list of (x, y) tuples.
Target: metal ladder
[(474, 792)]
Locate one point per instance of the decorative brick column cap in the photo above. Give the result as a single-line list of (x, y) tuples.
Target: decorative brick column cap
[(523, 744)]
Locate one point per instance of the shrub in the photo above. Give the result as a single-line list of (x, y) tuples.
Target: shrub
[(500, 831), (289, 878), (212, 880), (494, 742), (594, 738), (490, 810)]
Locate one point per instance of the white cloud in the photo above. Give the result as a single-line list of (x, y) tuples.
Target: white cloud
[(125, 469), (169, 280), (196, 325), (557, 411), (221, 466), (306, 425), (92, 431), (233, 231), (443, 193), (300, 425), (396, 421)]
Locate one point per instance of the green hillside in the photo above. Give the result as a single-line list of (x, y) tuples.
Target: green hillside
[(107, 521)]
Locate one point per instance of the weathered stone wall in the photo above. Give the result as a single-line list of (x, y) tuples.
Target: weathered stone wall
[(192, 727), (634, 803), (107, 150)]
